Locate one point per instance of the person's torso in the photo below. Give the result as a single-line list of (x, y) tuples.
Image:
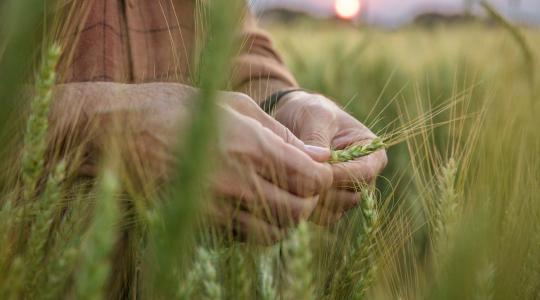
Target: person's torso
[(133, 41)]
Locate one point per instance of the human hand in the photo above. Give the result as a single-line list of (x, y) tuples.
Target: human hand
[(318, 121), (264, 179), (266, 184)]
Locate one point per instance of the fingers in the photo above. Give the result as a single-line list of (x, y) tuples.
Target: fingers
[(244, 226), (320, 154), (338, 201), (292, 169), (312, 118), (246, 106), (318, 126), (324, 217), (264, 199), (333, 205), (350, 175), (278, 206)]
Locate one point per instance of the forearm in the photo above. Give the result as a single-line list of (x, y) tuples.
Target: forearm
[(94, 97), (139, 119)]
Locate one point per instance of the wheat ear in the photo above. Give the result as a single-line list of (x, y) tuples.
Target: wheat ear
[(266, 278), (32, 165), (242, 279), (353, 280), (48, 207), (212, 288), (357, 151), (299, 264), (202, 281), (447, 210), (365, 263), (38, 123)]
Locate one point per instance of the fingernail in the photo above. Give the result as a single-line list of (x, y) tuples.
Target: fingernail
[(318, 153)]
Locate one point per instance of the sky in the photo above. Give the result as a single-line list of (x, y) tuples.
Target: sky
[(397, 12)]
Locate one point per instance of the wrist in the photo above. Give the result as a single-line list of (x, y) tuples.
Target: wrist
[(270, 104), (294, 96)]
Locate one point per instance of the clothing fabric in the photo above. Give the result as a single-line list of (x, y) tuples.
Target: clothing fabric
[(137, 41)]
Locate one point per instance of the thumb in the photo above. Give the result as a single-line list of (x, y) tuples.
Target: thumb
[(317, 135), (314, 121), (317, 143), (317, 131), (317, 153), (247, 107)]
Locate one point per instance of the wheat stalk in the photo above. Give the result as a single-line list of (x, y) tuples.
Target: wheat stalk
[(531, 273), (188, 181), (486, 282)]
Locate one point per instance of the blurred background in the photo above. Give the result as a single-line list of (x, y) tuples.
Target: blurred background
[(389, 60), (392, 13), (375, 55)]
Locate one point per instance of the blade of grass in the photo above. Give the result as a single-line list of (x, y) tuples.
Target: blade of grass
[(178, 214)]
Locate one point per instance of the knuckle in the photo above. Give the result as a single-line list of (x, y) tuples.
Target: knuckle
[(242, 97), (317, 110), (245, 100), (303, 211), (315, 182), (370, 175), (240, 101), (321, 178), (317, 137), (326, 177)]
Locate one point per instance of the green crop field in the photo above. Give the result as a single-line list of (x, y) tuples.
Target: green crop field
[(455, 215)]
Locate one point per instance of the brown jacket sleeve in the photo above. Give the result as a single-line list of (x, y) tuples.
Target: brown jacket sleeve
[(259, 70)]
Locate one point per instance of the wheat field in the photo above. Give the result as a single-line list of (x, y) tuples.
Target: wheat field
[(454, 215)]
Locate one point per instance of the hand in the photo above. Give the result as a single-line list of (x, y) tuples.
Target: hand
[(318, 121), (266, 180), (274, 183)]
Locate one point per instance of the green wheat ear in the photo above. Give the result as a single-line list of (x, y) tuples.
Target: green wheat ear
[(299, 264), (38, 123), (357, 151)]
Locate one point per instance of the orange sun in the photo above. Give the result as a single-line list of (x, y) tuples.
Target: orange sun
[(347, 9)]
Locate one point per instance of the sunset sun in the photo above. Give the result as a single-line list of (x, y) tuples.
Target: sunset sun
[(347, 9)]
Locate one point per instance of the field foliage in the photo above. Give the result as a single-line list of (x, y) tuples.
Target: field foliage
[(454, 216)]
